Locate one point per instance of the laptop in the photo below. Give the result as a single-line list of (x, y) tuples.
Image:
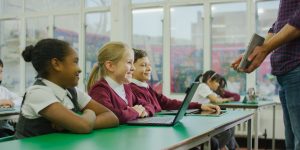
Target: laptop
[(168, 120)]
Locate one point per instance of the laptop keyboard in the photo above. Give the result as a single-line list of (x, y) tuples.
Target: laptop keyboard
[(166, 119)]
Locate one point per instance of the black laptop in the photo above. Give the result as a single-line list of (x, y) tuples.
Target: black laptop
[(168, 120)]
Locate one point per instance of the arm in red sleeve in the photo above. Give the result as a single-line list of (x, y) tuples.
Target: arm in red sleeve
[(102, 95), (227, 94), (173, 104), (147, 105)]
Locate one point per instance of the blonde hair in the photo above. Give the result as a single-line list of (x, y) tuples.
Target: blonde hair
[(111, 51)]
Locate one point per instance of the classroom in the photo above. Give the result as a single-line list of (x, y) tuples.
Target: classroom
[(94, 74)]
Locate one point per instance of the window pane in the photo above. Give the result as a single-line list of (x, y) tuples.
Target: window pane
[(229, 30), (65, 4), (10, 53), (265, 18), (97, 3), (37, 5), (36, 29), (97, 33), (66, 28), (147, 35), (145, 1), (186, 46), (10, 7), (46, 5)]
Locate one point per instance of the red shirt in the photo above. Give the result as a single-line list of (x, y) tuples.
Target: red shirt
[(159, 101), (104, 94)]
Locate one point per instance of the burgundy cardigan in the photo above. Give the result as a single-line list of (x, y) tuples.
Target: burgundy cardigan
[(104, 94), (159, 101)]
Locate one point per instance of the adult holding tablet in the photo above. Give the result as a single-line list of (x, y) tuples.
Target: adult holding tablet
[(283, 40)]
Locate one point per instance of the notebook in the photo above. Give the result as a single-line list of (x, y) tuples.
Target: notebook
[(208, 113), (168, 120), (174, 112), (256, 40)]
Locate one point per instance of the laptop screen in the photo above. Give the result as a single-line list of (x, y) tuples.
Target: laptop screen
[(185, 104)]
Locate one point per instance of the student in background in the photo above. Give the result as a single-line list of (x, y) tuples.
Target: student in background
[(52, 104), (225, 93), (140, 87), (7, 99), (209, 82), (108, 83), (205, 93)]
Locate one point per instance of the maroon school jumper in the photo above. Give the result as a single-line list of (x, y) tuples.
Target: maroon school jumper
[(159, 101), (104, 94), (227, 94)]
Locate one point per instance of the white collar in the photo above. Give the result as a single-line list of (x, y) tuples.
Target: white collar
[(58, 91), (112, 83), (118, 88), (139, 83)]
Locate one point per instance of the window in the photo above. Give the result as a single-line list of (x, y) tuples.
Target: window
[(186, 54), (10, 7), (36, 29), (53, 5), (96, 35), (229, 32), (66, 28), (147, 35), (145, 1), (10, 53), (265, 18), (97, 3)]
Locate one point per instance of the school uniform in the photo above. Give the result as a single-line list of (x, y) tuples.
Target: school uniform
[(119, 99), (38, 97), (227, 94), (202, 93), (201, 96), (143, 91), (5, 127)]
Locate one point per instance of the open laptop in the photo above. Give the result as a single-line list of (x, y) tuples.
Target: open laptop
[(169, 120)]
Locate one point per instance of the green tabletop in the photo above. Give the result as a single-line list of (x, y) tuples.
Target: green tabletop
[(130, 137), (246, 105)]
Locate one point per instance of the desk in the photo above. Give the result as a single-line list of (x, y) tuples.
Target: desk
[(10, 115), (190, 132), (256, 107)]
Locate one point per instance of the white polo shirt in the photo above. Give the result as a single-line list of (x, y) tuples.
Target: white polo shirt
[(39, 97), (201, 94), (6, 94)]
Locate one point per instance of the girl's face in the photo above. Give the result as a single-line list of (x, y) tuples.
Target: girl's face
[(142, 70), (213, 85), (122, 70), (70, 69)]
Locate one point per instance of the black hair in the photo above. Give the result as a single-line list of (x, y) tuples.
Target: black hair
[(41, 54), (210, 74), (138, 53), (222, 85), (1, 63)]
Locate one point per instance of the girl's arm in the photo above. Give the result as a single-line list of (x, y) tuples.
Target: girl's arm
[(101, 95), (227, 94), (104, 117), (65, 118), (215, 99)]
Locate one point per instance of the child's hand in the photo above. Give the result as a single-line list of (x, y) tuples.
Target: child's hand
[(139, 109), (210, 107), (144, 114), (7, 103)]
